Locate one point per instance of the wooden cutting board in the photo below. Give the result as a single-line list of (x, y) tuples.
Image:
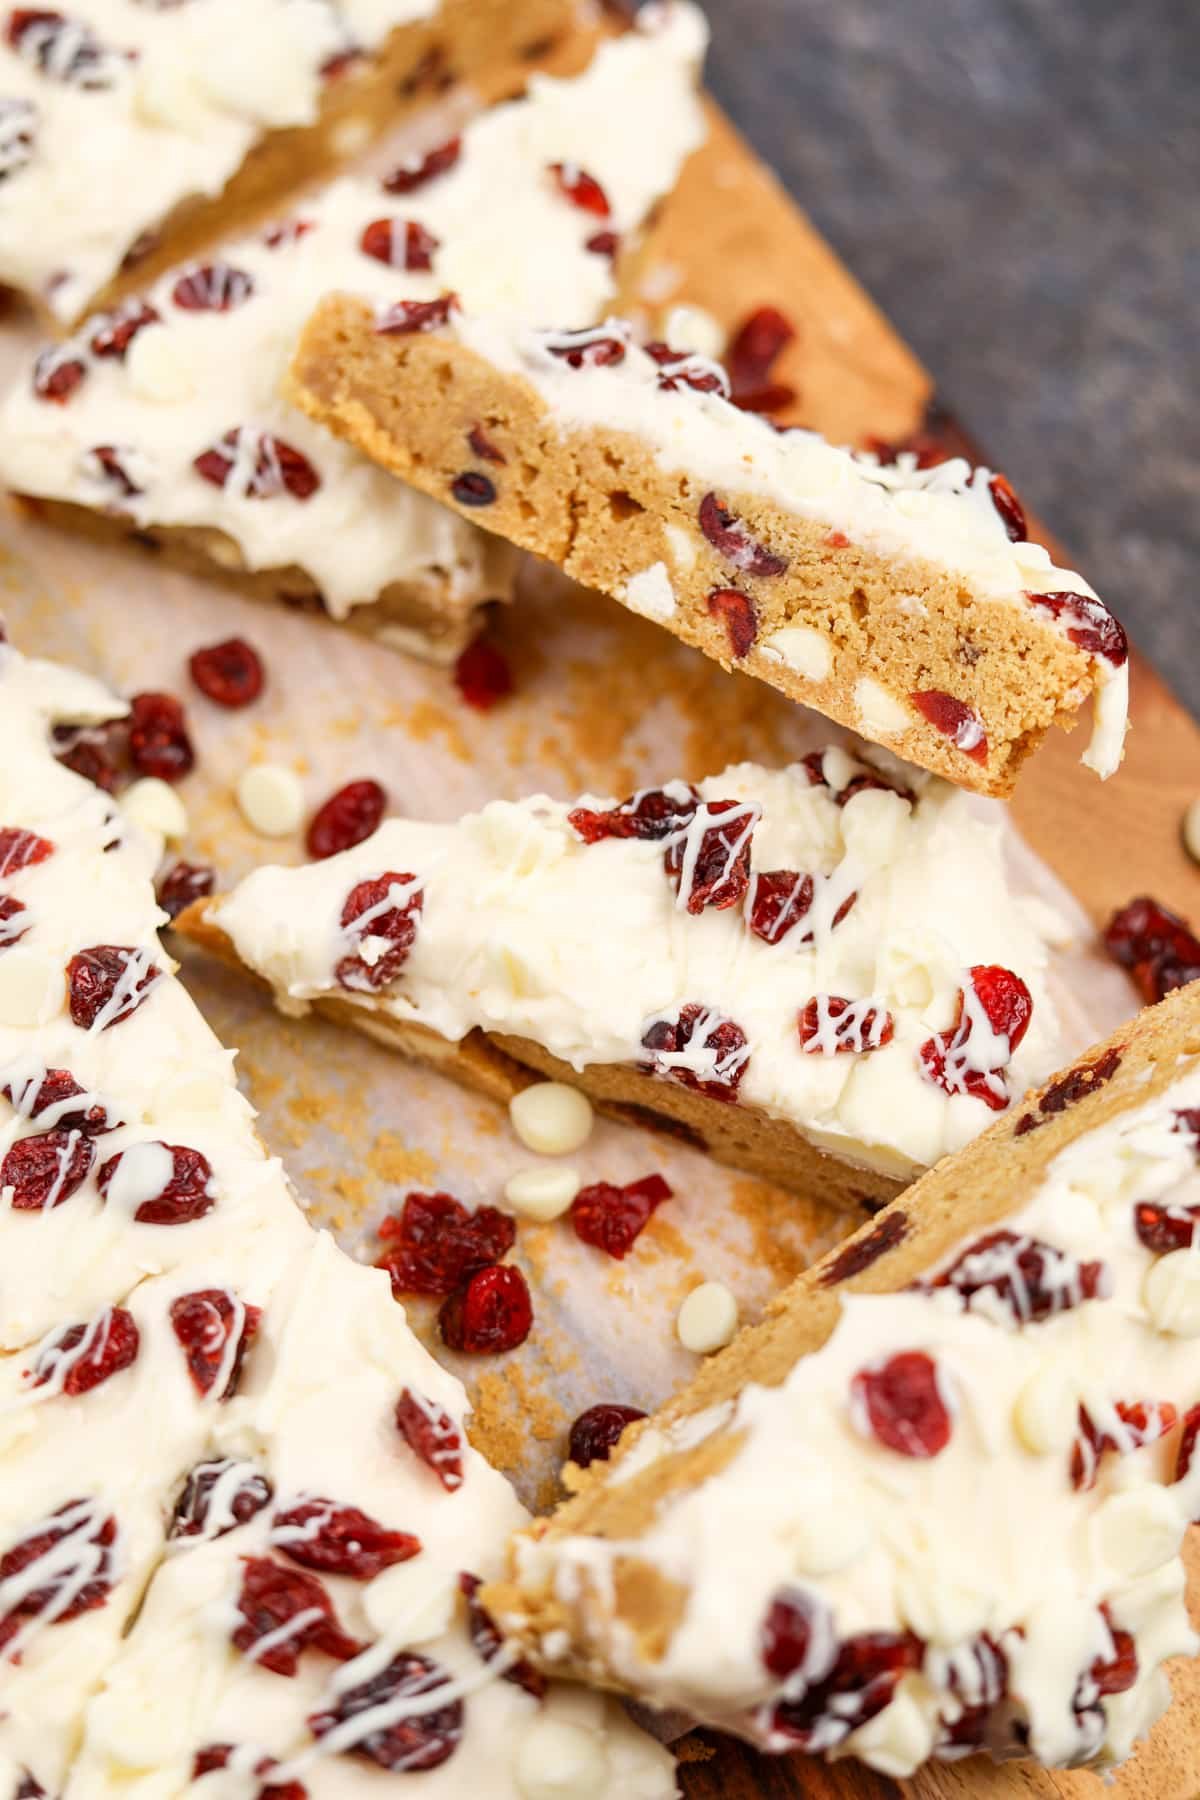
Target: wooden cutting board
[(731, 239)]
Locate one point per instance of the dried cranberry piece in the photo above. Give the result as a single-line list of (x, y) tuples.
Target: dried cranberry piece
[(604, 243), (213, 287), (75, 1544), (1165, 1228), (1012, 513), (729, 537), (158, 737), (431, 1433), (62, 48), (407, 177), (28, 1786), (867, 781), (596, 1432), (955, 719), (280, 1604), (709, 861), (482, 675), (238, 1487), (483, 447), (435, 1245), (188, 1195), (750, 357), (57, 373), (287, 232), (489, 1642), (684, 368), (47, 1168), (978, 1677), (860, 1684), (346, 819), (109, 464), (1089, 624), (1187, 1443), (651, 814), (592, 347), (866, 1248), (339, 1540), (797, 1637), (423, 1740), (701, 1049), (50, 1091), (1136, 1423), (473, 489), (183, 884), (1158, 948), (998, 1006), (11, 914), (1075, 1085), (18, 130), (779, 899), (400, 244), (901, 1403), (21, 850), (410, 316), (215, 1330), (92, 751), (112, 333), (1117, 1673), (927, 452), (493, 1312), (229, 673), (613, 1218), (77, 1358), (107, 983), (383, 911), (736, 612), (831, 1025), (219, 1756), (255, 465), (581, 189), (1024, 1277)]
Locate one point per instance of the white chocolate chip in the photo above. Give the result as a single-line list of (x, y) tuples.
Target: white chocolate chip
[(1139, 1531), (1191, 830), (156, 807), (708, 1318), (271, 799), (803, 648), (543, 1192), (551, 1118), (32, 987), (157, 369), (880, 714), (691, 328), (682, 547), (1172, 1293), (560, 1761), (826, 1534), (838, 769), (650, 593), (427, 1602), (898, 1739), (873, 824), (1046, 1411)]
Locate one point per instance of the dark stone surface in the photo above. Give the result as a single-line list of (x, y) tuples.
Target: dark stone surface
[(1017, 182)]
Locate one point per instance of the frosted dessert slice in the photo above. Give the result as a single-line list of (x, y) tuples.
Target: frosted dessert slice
[(935, 1503), (905, 602), (164, 419), (168, 1316), (822, 973), (129, 129), (316, 1616)]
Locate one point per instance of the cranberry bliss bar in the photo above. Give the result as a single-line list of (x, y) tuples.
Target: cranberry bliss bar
[(165, 417), (935, 1503), (240, 1522), (129, 129), (821, 974), (905, 602)]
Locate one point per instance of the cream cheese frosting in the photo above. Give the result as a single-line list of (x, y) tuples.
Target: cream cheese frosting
[(945, 514), (113, 112), (186, 426), (192, 1376), (524, 928), (1024, 1561)]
